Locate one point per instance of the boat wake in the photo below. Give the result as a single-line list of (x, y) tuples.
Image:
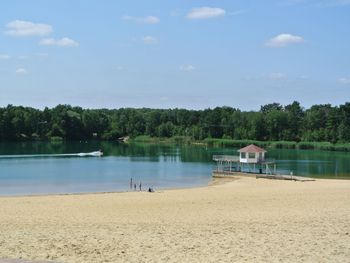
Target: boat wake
[(89, 154)]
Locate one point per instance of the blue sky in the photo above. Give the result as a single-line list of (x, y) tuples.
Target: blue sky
[(164, 54)]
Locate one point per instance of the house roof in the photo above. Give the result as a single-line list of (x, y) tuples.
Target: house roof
[(252, 149)]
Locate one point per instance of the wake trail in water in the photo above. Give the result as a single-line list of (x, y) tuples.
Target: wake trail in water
[(93, 154)]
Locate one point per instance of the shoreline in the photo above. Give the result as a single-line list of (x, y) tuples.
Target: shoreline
[(243, 219), (217, 180), (213, 182)]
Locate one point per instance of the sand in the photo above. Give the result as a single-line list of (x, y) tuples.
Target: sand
[(247, 219)]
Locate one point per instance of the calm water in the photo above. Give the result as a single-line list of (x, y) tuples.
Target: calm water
[(157, 166)]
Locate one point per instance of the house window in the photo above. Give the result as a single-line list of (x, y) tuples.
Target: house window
[(251, 155), (243, 155)]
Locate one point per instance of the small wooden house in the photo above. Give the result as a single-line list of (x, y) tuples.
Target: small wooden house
[(251, 159), (251, 154)]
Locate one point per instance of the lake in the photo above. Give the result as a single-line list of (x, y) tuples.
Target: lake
[(156, 166)]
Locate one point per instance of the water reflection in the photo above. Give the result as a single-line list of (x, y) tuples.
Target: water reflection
[(155, 165)]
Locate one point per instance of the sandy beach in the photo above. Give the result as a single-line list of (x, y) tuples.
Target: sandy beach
[(241, 220)]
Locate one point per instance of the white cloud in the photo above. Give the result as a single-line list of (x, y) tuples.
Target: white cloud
[(4, 56), (344, 81), (151, 20), (187, 67), (142, 20), (26, 28), (283, 40), (63, 42), (149, 40), (205, 12), (277, 76), (21, 71)]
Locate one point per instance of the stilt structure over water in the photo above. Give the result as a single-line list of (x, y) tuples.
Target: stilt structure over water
[(251, 162), (251, 159)]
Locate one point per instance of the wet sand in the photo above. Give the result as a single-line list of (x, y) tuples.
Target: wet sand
[(246, 219)]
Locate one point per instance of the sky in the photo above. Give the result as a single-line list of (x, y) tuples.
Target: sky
[(192, 54)]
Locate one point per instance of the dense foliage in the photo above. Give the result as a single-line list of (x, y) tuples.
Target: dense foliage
[(273, 122)]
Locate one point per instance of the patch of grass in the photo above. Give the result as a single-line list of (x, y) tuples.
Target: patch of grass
[(171, 140), (56, 139), (181, 139), (283, 144), (316, 145), (233, 143), (145, 139), (224, 143)]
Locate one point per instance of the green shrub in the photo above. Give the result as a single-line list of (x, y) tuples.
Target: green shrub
[(144, 138), (283, 145), (56, 139)]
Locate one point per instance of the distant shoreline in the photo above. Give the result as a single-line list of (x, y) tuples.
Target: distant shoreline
[(323, 127), (214, 142), (209, 142)]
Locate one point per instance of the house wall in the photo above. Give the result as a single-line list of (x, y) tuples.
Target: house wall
[(256, 159)]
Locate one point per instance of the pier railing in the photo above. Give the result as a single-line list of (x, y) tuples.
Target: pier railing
[(233, 158), (226, 158)]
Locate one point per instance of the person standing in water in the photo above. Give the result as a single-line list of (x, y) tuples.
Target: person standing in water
[(140, 186), (131, 183)]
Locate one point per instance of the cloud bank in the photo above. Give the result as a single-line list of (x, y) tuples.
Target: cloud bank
[(21, 28), (284, 40), (63, 42), (21, 71), (205, 13), (142, 20)]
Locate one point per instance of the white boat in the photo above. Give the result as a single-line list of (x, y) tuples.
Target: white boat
[(95, 154)]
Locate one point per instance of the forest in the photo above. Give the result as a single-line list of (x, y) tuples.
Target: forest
[(273, 122)]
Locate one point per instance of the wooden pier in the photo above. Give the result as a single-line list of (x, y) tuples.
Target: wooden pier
[(227, 174), (251, 162), (285, 177)]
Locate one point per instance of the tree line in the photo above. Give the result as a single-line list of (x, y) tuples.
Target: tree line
[(273, 122)]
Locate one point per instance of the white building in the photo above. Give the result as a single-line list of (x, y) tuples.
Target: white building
[(252, 154)]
